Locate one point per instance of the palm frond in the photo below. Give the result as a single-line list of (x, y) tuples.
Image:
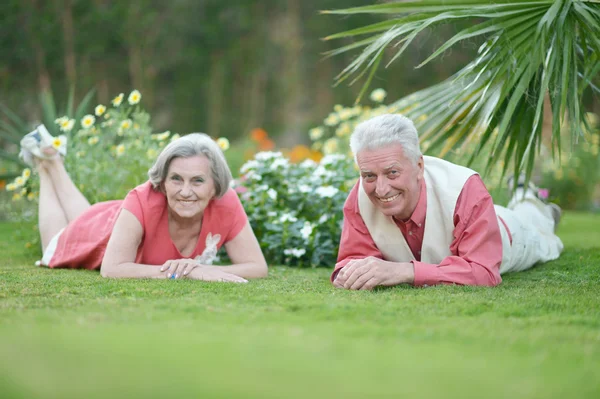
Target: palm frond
[(531, 50)]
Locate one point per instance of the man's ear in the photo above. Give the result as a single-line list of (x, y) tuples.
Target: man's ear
[(421, 168)]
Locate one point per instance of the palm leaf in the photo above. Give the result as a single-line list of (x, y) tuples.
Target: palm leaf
[(531, 49)]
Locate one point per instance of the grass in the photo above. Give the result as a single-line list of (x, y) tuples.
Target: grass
[(70, 333)]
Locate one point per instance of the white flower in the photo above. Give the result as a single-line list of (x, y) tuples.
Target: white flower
[(306, 231), (271, 214), (99, 110), (308, 163), (326, 191), (332, 120), (126, 124), (287, 217), (161, 136), (267, 155), (66, 124), (315, 133), (254, 176), (378, 95), (262, 187), (134, 97), (61, 120), (297, 252), (223, 143), (272, 194), (332, 158), (330, 146), (251, 164), (88, 121), (323, 218), (304, 188), (279, 162), (120, 150), (117, 100)]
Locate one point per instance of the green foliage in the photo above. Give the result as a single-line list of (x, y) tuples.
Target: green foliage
[(296, 209), (531, 49)]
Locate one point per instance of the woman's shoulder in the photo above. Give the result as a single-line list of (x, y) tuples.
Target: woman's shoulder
[(228, 201)]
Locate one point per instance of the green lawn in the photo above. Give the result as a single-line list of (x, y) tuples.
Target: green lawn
[(73, 334)]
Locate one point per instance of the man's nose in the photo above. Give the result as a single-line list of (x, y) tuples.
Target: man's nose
[(381, 186)]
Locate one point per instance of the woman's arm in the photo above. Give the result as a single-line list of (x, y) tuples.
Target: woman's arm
[(246, 256), (122, 248)]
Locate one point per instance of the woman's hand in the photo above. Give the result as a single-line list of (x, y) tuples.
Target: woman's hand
[(210, 273), (179, 268)]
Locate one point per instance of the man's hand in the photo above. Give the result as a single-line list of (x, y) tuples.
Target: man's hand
[(370, 272)]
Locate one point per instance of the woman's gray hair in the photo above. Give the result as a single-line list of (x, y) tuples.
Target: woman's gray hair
[(384, 130), (189, 146)]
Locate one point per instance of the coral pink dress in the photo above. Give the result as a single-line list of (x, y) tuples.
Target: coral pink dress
[(83, 242)]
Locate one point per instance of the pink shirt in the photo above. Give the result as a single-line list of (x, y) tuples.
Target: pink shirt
[(476, 249), (83, 242)]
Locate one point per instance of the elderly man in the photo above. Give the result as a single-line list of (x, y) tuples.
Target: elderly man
[(424, 221)]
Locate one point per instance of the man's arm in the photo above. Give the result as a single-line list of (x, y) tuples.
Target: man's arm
[(477, 245)]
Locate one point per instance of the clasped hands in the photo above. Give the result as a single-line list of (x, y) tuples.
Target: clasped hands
[(370, 272), (190, 268)]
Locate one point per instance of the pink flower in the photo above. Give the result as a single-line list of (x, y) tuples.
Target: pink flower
[(543, 193)]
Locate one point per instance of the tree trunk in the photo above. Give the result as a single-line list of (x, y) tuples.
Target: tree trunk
[(43, 77), (66, 15)]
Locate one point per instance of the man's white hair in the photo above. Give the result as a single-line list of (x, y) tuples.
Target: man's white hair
[(384, 130)]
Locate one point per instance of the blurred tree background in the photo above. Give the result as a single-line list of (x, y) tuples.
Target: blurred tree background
[(222, 67)]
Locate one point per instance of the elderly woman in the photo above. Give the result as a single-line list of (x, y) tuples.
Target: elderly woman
[(169, 227)]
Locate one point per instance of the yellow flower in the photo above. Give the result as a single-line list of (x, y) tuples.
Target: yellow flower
[(343, 130), (134, 97), (79, 154), (99, 110), (161, 136), (337, 107), (175, 137), (151, 153), (19, 181), (332, 120), (315, 133), (11, 187), (117, 100), (93, 140), (88, 121), (120, 150), (66, 124), (126, 124), (61, 120), (223, 143), (30, 196), (23, 192), (16, 197), (330, 146), (378, 95), (26, 173), (57, 142), (345, 113)]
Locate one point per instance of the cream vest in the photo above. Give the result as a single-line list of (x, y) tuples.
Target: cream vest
[(444, 182)]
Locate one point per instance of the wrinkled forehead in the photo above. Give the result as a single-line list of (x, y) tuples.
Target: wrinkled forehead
[(381, 158), (190, 166)]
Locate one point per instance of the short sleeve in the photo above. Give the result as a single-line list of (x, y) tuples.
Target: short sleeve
[(132, 204), (235, 213)]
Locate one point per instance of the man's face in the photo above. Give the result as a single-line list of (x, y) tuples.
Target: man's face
[(391, 180)]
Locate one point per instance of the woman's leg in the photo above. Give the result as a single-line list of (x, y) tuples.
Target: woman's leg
[(72, 201), (51, 217)]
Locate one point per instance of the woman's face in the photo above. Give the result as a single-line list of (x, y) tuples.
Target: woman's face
[(189, 186)]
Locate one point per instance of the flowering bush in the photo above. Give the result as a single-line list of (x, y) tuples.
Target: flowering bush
[(296, 209)]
